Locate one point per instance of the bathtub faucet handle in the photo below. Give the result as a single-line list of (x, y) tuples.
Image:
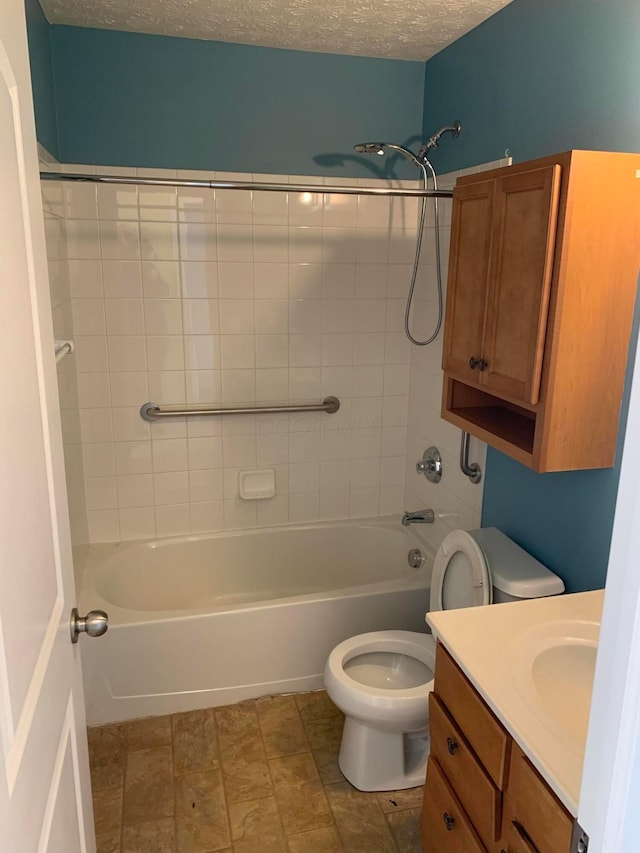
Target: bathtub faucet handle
[(421, 516)]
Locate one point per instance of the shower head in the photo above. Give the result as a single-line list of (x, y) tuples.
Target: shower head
[(378, 148), (432, 142)]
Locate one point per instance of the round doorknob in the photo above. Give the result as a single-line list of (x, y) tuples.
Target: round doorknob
[(95, 624)]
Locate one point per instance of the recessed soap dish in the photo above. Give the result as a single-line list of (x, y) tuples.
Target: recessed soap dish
[(257, 485)]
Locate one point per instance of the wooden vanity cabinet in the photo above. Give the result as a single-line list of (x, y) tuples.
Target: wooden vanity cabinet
[(543, 270), (482, 795)]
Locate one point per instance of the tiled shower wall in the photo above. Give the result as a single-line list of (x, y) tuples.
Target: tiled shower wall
[(456, 501), (206, 297)]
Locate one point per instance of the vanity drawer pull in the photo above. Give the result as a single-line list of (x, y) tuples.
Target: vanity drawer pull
[(448, 821), (452, 745)]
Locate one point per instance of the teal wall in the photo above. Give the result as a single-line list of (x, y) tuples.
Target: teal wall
[(42, 76), (543, 76), (143, 100)]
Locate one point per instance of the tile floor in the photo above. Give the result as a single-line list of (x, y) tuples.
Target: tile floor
[(257, 777)]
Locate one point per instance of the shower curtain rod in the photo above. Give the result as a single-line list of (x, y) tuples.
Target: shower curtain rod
[(245, 185)]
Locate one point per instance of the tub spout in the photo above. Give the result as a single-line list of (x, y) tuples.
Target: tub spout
[(421, 516)]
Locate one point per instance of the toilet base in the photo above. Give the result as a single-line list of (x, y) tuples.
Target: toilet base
[(381, 760)]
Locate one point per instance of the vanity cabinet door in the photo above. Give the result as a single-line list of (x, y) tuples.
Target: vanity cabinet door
[(445, 826), (518, 841)]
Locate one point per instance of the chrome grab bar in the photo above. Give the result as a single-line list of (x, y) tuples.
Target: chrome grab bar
[(472, 471), (153, 412), (244, 185)]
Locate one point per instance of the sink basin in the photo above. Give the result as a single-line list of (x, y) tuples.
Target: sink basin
[(553, 665)]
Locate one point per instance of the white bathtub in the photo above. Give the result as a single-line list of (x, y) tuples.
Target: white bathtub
[(208, 620)]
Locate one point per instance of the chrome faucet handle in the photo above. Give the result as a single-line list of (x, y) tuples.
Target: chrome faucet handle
[(422, 516)]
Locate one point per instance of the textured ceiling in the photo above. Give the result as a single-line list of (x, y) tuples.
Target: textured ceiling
[(398, 29)]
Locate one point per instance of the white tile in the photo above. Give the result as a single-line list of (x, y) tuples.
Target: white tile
[(402, 247), (305, 350), (368, 381), (93, 390), (369, 348), (272, 351), (371, 281), (135, 490), (124, 316), (334, 476), (305, 315), (305, 446), (133, 457), (165, 352), (163, 316), (173, 520), (339, 246), (271, 316), (337, 349), (202, 352), (304, 477), (239, 514), (366, 442), (199, 280), (207, 485), (364, 502), (196, 205), (392, 470), (167, 386), (272, 384), (120, 240), (161, 279), (171, 488), (399, 278), (272, 449), (237, 351), (340, 211), (394, 411), (128, 425), (305, 245), (338, 315), (238, 386), (96, 425), (396, 348), (396, 379), (234, 207), (170, 455), (85, 279), (244, 424), (373, 212), (91, 353), (270, 208), (365, 473), (88, 316), (137, 523), (334, 504), (372, 246), (80, 201), (366, 412), (304, 506), (204, 386), (370, 315), (338, 281), (270, 244), (235, 281), (273, 512), (198, 242), (122, 279), (118, 202), (236, 316), (101, 492), (83, 240), (335, 446), (391, 500), (271, 280), (239, 451), (204, 453), (158, 204), (305, 281), (394, 441), (98, 460), (305, 208), (202, 316), (305, 383), (127, 352), (208, 515), (104, 525), (235, 243), (129, 389)]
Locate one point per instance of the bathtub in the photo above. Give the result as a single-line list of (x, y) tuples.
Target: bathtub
[(207, 620)]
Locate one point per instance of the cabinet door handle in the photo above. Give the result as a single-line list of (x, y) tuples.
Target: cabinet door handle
[(473, 363), (448, 821), (452, 745), (480, 363)]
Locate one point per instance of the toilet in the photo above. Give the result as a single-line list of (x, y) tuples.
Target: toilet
[(381, 681)]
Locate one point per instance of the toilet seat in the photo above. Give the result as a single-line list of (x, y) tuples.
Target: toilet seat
[(451, 590)]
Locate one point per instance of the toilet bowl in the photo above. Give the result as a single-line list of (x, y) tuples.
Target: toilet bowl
[(381, 680)]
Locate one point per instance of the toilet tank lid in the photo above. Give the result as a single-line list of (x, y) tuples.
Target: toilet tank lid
[(513, 570)]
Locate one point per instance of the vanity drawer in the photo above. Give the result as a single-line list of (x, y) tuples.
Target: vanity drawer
[(481, 799), (487, 738), (445, 826), (536, 810), (518, 841)]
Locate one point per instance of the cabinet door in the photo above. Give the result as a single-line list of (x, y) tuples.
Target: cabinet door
[(467, 284), (525, 215), (445, 826)]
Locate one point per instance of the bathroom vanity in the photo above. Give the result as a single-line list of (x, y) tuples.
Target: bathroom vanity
[(508, 719)]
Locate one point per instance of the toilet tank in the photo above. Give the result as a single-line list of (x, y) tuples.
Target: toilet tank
[(516, 575)]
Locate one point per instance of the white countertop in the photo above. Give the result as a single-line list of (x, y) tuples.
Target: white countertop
[(488, 643)]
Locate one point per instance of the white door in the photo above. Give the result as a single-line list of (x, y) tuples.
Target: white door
[(45, 794)]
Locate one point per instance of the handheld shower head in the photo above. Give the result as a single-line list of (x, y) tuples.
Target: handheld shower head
[(378, 148)]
